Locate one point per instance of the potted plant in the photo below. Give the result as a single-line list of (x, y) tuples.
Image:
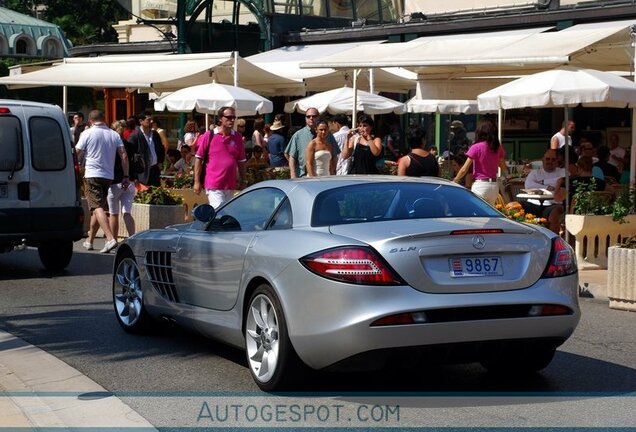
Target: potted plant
[(514, 211), (621, 260), (599, 220), (157, 207)]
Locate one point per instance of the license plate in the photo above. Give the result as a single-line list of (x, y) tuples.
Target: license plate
[(4, 190), (476, 266)]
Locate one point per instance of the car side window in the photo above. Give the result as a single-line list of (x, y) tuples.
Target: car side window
[(283, 217), (249, 212), (47, 144)]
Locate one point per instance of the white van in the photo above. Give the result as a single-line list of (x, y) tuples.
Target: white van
[(39, 186)]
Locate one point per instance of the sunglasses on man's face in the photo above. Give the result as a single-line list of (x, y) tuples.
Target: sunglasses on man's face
[(311, 116), (230, 117)]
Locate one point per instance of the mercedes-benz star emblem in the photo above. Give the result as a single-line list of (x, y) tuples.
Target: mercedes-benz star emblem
[(479, 242)]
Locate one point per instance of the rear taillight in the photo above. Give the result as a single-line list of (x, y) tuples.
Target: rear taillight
[(357, 265), (5, 110), (562, 261)]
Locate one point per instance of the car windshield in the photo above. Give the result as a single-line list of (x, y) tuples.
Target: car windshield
[(396, 201)]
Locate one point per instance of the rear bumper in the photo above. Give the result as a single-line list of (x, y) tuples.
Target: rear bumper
[(333, 323), (35, 226)]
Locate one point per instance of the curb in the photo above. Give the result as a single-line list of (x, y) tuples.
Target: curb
[(38, 390)]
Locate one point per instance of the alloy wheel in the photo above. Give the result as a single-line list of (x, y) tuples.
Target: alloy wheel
[(128, 296), (262, 337)]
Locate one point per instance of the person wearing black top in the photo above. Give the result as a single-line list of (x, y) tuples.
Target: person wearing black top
[(419, 162), (583, 175), (364, 148), (609, 171)]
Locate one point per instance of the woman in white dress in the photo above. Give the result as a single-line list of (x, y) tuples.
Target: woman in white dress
[(319, 153)]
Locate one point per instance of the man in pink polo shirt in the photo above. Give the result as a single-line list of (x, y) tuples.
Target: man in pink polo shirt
[(222, 153)]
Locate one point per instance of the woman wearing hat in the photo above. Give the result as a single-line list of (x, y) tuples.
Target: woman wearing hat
[(276, 144)]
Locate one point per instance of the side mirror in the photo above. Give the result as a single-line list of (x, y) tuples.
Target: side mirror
[(204, 213)]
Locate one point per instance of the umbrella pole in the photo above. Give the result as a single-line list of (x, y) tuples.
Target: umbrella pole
[(355, 99), (567, 172)]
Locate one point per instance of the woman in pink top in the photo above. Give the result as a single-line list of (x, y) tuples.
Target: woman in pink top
[(485, 156)]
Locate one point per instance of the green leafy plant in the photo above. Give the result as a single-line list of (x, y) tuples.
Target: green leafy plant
[(586, 201), (183, 180), (624, 204), (158, 196)]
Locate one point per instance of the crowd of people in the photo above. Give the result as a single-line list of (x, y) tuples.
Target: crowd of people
[(135, 153)]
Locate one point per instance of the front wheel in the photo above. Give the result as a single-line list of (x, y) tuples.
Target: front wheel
[(56, 256), (128, 298), (271, 358)]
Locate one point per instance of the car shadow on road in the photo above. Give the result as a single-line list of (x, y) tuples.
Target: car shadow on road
[(26, 265)]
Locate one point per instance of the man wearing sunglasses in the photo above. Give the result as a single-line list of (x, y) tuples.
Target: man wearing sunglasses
[(546, 178), (220, 154), (295, 151)]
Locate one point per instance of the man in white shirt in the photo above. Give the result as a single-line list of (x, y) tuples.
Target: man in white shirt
[(98, 146), (617, 153), (340, 131), (546, 178), (558, 139)]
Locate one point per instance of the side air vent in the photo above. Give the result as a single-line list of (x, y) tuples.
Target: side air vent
[(159, 271)]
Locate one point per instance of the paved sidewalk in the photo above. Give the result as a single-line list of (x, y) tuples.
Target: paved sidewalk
[(37, 390)]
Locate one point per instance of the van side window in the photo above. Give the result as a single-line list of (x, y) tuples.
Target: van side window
[(11, 156), (47, 144)]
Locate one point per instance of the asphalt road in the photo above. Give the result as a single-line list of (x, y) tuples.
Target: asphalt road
[(70, 316)]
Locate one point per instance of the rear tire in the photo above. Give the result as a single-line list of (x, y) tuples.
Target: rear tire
[(272, 360), (519, 359), (128, 297), (56, 256)]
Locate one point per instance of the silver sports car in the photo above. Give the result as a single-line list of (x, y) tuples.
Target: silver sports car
[(352, 273)]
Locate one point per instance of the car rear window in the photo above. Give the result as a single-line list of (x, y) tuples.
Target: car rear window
[(47, 144), (396, 201), (11, 157)]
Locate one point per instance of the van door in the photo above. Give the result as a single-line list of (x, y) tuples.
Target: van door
[(53, 191), (15, 216)]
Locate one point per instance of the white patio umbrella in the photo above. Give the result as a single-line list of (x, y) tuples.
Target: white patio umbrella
[(341, 101), (208, 98), (441, 106), (564, 87)]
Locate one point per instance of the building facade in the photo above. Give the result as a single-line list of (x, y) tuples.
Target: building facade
[(22, 36)]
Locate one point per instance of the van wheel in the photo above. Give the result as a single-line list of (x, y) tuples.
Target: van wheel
[(56, 256)]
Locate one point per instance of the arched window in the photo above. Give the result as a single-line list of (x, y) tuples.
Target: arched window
[(50, 47), (23, 44)]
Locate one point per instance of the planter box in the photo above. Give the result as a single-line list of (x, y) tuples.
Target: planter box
[(190, 201), (594, 235), (621, 278), (149, 216)]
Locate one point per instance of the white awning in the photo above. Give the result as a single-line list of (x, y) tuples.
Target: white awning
[(285, 62), (158, 73), (604, 46)]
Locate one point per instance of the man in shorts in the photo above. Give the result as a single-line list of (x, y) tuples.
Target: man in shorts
[(221, 156), (97, 147)]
